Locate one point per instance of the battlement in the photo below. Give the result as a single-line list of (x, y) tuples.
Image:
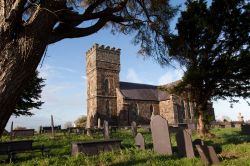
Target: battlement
[(103, 48)]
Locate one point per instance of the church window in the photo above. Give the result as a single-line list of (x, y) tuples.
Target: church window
[(151, 109), (137, 109), (106, 86), (108, 110)]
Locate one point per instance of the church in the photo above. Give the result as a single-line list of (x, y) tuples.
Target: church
[(120, 103)]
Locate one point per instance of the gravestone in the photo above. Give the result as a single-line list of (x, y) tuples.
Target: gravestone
[(94, 147), (160, 135), (52, 127), (106, 129), (207, 154), (184, 144), (134, 128), (88, 132), (139, 141), (11, 131), (23, 133), (245, 129), (99, 123), (198, 142)]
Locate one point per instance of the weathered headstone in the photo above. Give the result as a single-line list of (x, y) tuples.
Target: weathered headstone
[(198, 142), (134, 128), (99, 123), (106, 129), (139, 141), (11, 131), (52, 126), (160, 135), (245, 129), (184, 144), (94, 147), (207, 154), (88, 132)]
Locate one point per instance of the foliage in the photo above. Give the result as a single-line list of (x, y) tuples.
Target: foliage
[(30, 97), (67, 125), (225, 144), (81, 121), (213, 44)]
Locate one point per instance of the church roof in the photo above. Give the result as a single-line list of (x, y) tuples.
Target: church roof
[(142, 92)]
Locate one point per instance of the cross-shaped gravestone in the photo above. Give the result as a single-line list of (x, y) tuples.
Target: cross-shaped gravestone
[(139, 141), (134, 128), (207, 154), (106, 129), (160, 135), (184, 144)]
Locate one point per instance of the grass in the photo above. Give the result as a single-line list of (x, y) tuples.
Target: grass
[(232, 147)]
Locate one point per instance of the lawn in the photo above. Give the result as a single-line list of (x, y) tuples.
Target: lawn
[(232, 147)]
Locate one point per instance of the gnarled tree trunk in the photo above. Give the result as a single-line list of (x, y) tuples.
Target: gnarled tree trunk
[(21, 49), (201, 123)]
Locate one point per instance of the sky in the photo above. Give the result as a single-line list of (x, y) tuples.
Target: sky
[(63, 67)]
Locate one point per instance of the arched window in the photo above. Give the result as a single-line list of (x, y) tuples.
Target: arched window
[(137, 109), (151, 109), (108, 110), (106, 86)]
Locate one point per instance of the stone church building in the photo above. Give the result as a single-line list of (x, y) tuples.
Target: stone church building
[(123, 102)]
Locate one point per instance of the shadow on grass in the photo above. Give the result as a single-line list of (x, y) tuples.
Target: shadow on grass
[(161, 158), (235, 138)]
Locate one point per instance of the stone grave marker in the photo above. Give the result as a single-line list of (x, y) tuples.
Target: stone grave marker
[(207, 154), (134, 128), (106, 129), (184, 144), (245, 129), (52, 126), (160, 135), (198, 142), (139, 141), (99, 123)]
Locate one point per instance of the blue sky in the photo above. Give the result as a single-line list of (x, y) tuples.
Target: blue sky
[(64, 70)]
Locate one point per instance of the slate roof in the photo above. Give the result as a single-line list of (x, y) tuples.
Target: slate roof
[(142, 92)]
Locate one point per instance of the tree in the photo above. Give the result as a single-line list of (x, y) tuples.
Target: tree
[(27, 27), (81, 121), (30, 96), (213, 44)]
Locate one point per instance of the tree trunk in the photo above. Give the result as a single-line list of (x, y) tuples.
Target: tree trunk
[(18, 61), (201, 129)]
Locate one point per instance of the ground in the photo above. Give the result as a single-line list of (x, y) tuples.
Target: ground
[(233, 149)]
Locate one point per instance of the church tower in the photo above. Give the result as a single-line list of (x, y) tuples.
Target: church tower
[(102, 68)]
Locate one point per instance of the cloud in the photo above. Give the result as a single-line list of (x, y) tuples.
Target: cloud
[(47, 71), (170, 76), (132, 76), (84, 77)]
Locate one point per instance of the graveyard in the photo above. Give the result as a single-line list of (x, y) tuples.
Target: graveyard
[(231, 146)]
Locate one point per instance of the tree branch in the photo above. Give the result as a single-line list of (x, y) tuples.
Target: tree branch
[(15, 14), (61, 33)]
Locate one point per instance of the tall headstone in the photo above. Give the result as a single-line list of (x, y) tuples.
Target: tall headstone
[(139, 141), (134, 128), (52, 127), (207, 154), (184, 144), (11, 131), (160, 135), (106, 129), (99, 123)]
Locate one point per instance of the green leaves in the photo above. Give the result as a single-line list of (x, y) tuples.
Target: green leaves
[(30, 97)]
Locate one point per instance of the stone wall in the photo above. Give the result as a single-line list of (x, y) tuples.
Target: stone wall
[(103, 67)]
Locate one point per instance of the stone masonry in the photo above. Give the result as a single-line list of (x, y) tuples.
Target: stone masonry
[(120, 103)]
